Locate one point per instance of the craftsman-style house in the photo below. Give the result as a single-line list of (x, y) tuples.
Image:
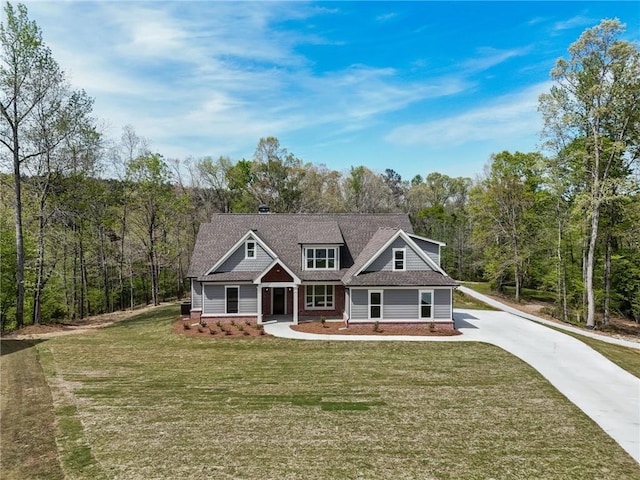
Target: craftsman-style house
[(360, 268)]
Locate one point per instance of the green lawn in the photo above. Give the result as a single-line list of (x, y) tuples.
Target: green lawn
[(460, 300), (135, 401)]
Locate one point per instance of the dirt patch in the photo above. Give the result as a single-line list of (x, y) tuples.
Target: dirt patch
[(221, 329), (32, 332), (338, 328)]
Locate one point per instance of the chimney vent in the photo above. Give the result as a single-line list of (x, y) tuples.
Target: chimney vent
[(263, 208)]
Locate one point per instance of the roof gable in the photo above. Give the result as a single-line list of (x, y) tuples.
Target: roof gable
[(277, 272), (379, 243), (238, 249), (281, 234)]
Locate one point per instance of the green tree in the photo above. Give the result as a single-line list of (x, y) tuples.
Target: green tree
[(277, 177), (596, 100), (28, 73), (153, 200), (503, 211), (366, 191)]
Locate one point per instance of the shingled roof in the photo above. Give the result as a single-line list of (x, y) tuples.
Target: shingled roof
[(283, 233), (361, 237)]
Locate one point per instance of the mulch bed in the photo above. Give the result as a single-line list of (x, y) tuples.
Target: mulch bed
[(337, 328), (214, 329), (226, 329)]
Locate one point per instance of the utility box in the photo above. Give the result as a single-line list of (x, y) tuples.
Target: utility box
[(185, 308)]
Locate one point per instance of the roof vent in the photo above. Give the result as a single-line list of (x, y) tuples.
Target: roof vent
[(263, 208)]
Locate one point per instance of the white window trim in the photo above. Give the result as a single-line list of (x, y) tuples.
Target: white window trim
[(433, 304), (404, 260), (226, 299), (247, 250), (381, 305), (336, 258), (313, 297)]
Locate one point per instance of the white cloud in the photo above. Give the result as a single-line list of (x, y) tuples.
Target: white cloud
[(509, 116), (573, 22), (385, 17), (489, 57)]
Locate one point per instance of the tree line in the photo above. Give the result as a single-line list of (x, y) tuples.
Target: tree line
[(76, 242)]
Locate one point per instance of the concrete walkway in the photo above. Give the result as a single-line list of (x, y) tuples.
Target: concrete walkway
[(605, 392)]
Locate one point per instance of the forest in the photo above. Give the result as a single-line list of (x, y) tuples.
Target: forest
[(90, 224)]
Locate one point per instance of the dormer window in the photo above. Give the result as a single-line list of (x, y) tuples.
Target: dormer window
[(250, 249), (321, 258), (399, 259)]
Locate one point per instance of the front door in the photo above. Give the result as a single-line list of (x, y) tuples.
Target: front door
[(278, 301)]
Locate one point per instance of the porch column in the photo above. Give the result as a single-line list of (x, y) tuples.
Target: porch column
[(259, 313), (295, 304)]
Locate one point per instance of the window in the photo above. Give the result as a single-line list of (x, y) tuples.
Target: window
[(232, 295), (250, 249), (426, 304), (398, 259), (320, 258), (375, 304), (319, 297)]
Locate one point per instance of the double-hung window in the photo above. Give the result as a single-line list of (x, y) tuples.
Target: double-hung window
[(320, 258), (399, 256), (375, 303), (232, 298), (426, 304), (250, 249), (319, 297)]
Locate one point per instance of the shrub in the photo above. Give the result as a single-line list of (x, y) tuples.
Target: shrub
[(240, 328), (323, 321), (247, 322), (376, 326), (212, 330), (186, 325), (233, 322), (200, 329), (218, 324)]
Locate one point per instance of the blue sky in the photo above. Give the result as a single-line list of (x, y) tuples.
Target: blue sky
[(413, 86)]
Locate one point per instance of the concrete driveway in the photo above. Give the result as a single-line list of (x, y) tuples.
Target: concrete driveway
[(605, 392)]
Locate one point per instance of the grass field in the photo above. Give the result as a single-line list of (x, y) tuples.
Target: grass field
[(133, 401)]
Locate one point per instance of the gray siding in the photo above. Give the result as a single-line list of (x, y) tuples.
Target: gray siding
[(431, 249), (442, 304), (237, 263), (384, 262), (215, 303), (400, 304), (213, 299), (248, 299), (196, 295), (359, 304)]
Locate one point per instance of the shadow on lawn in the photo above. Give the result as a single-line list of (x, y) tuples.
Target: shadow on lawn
[(8, 346)]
